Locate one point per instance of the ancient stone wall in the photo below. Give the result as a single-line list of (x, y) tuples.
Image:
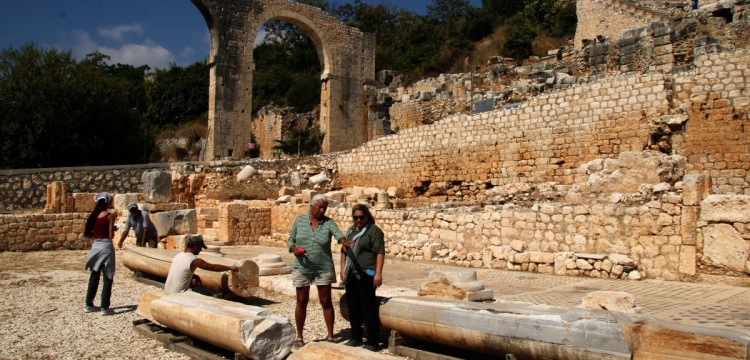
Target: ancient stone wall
[(27, 188), (542, 140), (241, 223), (43, 232), (716, 140), (406, 115), (593, 22)]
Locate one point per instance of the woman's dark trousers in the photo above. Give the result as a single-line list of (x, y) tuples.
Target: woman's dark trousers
[(362, 305), (94, 285)]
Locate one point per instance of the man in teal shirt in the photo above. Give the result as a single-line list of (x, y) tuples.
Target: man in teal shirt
[(310, 241)]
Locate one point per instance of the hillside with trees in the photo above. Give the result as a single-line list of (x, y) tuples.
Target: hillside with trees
[(56, 110)]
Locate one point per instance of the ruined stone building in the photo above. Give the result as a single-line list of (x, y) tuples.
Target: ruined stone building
[(626, 157)]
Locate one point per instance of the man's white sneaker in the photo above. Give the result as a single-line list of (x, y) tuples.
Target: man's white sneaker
[(90, 309)]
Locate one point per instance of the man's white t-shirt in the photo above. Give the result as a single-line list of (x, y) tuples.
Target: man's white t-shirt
[(180, 274)]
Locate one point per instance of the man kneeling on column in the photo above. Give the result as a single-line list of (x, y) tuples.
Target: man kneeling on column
[(184, 265)]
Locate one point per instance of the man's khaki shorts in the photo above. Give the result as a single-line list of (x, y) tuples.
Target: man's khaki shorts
[(318, 279)]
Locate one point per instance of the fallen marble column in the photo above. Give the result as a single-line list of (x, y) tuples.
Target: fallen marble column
[(248, 330), (156, 262), (531, 331)]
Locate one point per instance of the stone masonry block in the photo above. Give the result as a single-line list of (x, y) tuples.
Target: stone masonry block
[(687, 260), (695, 188), (56, 197), (726, 208), (157, 186), (122, 200), (688, 227), (181, 222), (307, 195), (84, 202)]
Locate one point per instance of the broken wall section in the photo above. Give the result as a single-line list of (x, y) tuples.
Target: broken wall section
[(542, 140)]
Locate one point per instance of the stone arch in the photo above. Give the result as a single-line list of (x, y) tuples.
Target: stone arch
[(321, 46), (346, 54)]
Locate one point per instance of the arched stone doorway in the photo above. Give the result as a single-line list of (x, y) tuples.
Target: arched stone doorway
[(346, 54)]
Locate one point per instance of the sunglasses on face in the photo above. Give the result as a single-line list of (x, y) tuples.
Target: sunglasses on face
[(355, 217)]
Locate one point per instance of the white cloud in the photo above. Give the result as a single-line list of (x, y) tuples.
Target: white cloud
[(83, 44), (117, 33), (155, 56), (147, 53)]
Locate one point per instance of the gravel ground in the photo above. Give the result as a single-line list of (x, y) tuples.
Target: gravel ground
[(41, 311)]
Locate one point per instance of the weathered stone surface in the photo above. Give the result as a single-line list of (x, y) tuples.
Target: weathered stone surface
[(249, 330), (181, 222), (561, 262), (284, 199), (631, 169), (122, 200), (724, 247), (456, 284), (56, 197), (170, 206), (327, 351), (396, 192), (688, 228), (726, 208), (287, 191), (695, 188), (619, 259), (610, 300), (157, 186), (336, 196), (271, 264), (84, 202), (246, 173), (307, 195), (635, 275), (319, 178), (687, 260)]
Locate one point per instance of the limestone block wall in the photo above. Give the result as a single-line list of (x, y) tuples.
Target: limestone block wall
[(27, 188), (723, 230), (208, 222), (542, 140), (531, 238), (406, 115), (242, 224), (716, 98), (43, 232), (618, 19)]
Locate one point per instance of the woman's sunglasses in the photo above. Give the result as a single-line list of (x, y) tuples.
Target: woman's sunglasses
[(355, 217)]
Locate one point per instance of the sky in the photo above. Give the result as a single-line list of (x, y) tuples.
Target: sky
[(136, 32)]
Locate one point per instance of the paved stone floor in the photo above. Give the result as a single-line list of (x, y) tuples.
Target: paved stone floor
[(696, 304)]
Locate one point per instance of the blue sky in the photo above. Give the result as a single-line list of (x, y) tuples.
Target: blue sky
[(136, 32)]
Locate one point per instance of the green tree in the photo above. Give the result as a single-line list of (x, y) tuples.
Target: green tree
[(448, 12), (301, 142), (287, 69), (503, 10), (178, 95), (55, 111), (543, 13), (520, 36)]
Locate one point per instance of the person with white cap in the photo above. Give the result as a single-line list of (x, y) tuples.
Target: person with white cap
[(183, 267), (100, 225), (144, 229)]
